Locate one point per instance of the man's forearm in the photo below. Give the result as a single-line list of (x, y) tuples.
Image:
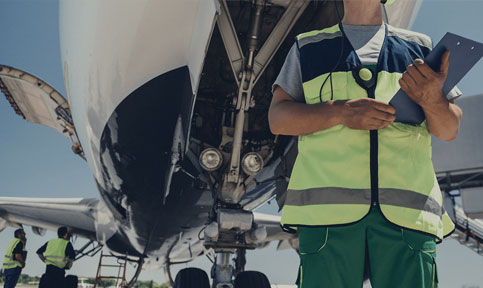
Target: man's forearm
[(41, 256), (288, 117), (20, 259), (443, 119), (293, 118)]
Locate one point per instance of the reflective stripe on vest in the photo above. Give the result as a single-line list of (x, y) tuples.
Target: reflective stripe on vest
[(55, 253), (9, 260), (388, 196), (331, 179)]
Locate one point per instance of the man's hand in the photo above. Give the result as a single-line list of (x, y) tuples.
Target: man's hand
[(42, 257), (69, 264), (368, 114), (423, 85)]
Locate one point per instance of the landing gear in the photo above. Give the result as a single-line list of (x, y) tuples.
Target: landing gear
[(232, 228), (240, 261), (191, 278), (222, 271)]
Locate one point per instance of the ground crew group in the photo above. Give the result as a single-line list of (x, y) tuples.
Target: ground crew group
[(58, 255), (363, 195)]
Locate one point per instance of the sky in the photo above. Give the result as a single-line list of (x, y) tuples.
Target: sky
[(36, 161)]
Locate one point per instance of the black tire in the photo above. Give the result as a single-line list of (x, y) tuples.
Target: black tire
[(71, 281), (191, 278), (252, 279), (43, 282)]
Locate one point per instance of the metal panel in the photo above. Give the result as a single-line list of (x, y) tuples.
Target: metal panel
[(37, 102), (473, 201), (34, 99), (465, 152)]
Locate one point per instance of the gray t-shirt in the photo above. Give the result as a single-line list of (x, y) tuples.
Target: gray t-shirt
[(367, 41)]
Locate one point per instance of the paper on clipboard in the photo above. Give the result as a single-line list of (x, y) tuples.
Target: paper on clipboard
[(465, 53)]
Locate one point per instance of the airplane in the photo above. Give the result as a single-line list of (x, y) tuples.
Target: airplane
[(167, 103)]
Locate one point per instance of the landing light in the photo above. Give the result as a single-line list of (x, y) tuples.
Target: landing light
[(211, 159), (252, 163)]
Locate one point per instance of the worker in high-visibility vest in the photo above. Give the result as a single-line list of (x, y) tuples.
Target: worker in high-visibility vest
[(14, 259), (363, 194), (58, 255)]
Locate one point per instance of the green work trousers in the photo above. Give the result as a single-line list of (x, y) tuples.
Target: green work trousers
[(335, 256)]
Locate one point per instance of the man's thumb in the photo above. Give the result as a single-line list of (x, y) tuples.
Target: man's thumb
[(443, 68)]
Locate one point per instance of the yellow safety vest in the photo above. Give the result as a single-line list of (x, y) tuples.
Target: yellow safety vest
[(55, 253), (9, 260), (340, 172)]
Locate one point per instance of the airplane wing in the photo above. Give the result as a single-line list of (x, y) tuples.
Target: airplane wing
[(84, 217)]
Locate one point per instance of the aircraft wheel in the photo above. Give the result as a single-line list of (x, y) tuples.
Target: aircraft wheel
[(252, 279), (191, 278), (71, 281)]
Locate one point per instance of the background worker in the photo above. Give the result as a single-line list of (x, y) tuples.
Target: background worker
[(58, 254), (363, 194), (14, 260)]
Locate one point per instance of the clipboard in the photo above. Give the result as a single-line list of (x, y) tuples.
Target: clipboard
[(465, 53)]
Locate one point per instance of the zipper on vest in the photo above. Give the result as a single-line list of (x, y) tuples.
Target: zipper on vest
[(374, 144), (374, 151), (374, 168), (374, 136)]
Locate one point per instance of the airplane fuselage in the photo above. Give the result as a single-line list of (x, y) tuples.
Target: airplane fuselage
[(131, 72)]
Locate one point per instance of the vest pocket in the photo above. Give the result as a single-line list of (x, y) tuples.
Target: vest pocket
[(312, 239), (336, 89), (412, 143), (406, 130)]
